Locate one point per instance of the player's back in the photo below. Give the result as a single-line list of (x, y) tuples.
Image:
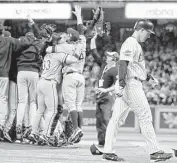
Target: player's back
[(52, 65)]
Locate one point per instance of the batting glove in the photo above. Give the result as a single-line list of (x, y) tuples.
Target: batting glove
[(153, 81)]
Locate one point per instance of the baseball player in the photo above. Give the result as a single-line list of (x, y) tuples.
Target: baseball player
[(12, 101), (47, 93), (30, 61), (74, 83), (130, 94), (105, 97), (7, 46)]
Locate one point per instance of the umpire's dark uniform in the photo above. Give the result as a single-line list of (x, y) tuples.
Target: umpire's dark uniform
[(105, 101)]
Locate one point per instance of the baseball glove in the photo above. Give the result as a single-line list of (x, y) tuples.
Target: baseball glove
[(98, 15)]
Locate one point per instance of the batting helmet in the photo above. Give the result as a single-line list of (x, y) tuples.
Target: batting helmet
[(145, 24)]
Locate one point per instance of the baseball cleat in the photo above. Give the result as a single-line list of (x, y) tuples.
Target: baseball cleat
[(94, 150), (112, 157), (27, 132), (1, 134), (33, 138), (175, 152), (45, 140), (79, 138), (160, 156), (7, 137), (75, 135)]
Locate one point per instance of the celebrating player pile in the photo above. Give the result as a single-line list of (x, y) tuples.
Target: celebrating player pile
[(50, 74)]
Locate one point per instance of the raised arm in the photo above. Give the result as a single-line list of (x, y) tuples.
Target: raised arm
[(35, 27), (94, 51), (98, 16), (78, 15)]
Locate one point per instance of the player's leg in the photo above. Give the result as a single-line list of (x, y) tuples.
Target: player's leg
[(34, 136), (120, 113), (51, 101), (4, 87), (12, 109), (22, 101), (80, 89), (69, 94), (106, 113), (32, 87), (142, 110), (80, 93), (99, 124), (59, 108)]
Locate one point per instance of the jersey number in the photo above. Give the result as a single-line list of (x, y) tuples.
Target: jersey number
[(46, 64)]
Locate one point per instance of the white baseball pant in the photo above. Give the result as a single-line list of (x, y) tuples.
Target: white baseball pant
[(133, 98), (4, 90), (27, 88), (12, 105), (73, 87), (47, 106)]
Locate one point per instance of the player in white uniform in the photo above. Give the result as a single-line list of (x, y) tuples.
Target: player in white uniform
[(130, 94), (47, 93)]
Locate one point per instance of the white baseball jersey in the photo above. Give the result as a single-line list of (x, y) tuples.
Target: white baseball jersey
[(62, 48), (80, 52), (52, 65), (133, 99), (132, 51)]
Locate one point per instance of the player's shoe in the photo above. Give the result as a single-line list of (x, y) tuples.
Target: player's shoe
[(34, 138), (1, 134), (75, 135), (19, 134), (7, 137), (45, 140), (94, 150), (160, 156), (79, 138), (27, 132), (112, 157)]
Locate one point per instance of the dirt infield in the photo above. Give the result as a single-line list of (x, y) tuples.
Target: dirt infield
[(24, 153)]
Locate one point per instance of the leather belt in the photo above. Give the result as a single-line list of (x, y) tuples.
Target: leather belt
[(138, 79), (72, 72)]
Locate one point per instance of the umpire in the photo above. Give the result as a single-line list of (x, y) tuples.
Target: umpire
[(104, 99)]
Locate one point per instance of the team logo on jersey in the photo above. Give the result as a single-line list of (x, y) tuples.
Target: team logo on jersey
[(127, 52)]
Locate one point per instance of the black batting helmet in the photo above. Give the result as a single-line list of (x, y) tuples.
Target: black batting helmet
[(145, 24)]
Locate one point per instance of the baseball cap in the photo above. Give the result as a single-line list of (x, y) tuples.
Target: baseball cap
[(145, 24), (7, 34), (74, 33), (113, 54)]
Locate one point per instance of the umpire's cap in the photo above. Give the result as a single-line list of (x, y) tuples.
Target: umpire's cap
[(146, 24)]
